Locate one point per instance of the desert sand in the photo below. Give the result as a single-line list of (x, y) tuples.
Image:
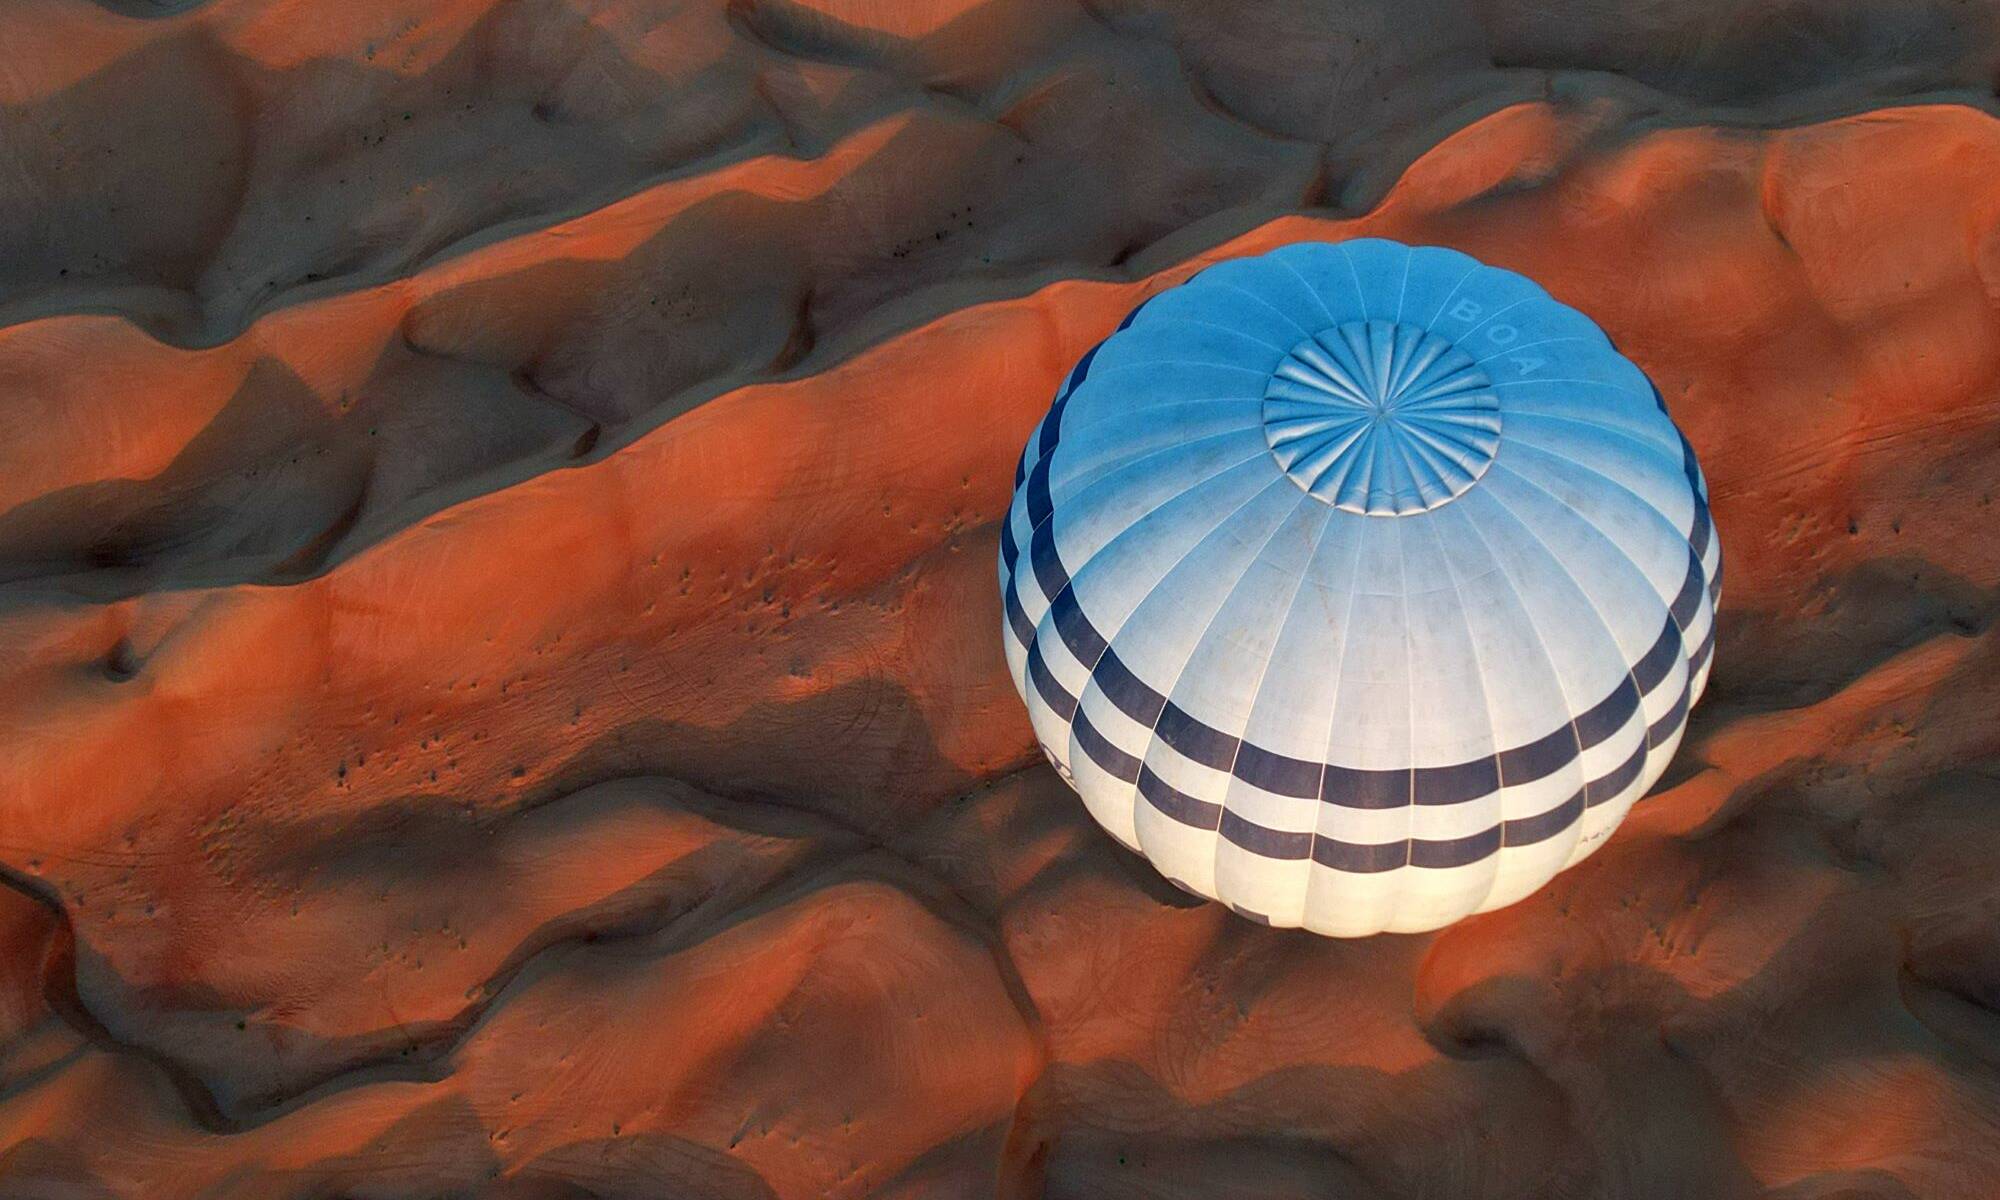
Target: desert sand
[(501, 688)]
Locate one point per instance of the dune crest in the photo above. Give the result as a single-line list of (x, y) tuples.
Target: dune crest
[(501, 685)]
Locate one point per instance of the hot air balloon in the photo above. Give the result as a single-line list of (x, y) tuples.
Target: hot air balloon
[(1358, 586)]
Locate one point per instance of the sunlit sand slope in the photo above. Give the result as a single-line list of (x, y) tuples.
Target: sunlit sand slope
[(501, 687)]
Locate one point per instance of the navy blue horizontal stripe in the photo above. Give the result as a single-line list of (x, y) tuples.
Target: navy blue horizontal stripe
[(1700, 536), (1689, 467), (1078, 634), (1540, 758), (1608, 715), (1053, 693), (1048, 566), (1457, 783), (1176, 804), (1098, 748), (1360, 858), (1650, 670), (1688, 602), (1351, 787), (1249, 914), (1704, 528), (1052, 423), (1526, 831), (1051, 430), (1455, 852), (1277, 773), (1702, 651), (1267, 843), (1344, 786), (1039, 504), (1670, 722), (1597, 791), (1196, 741), (1081, 370), (1017, 617), (1010, 550), (1126, 690)]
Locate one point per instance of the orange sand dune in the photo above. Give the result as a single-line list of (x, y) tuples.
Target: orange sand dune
[(500, 683)]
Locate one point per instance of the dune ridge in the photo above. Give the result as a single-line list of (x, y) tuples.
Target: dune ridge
[(522, 714)]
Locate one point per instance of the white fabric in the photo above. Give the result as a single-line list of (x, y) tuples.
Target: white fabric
[(1360, 587)]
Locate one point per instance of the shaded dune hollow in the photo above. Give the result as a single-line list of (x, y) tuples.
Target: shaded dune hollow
[(501, 680)]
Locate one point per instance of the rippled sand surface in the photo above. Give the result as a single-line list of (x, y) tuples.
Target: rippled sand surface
[(500, 674)]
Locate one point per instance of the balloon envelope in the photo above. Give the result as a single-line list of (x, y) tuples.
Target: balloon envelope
[(1361, 587)]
